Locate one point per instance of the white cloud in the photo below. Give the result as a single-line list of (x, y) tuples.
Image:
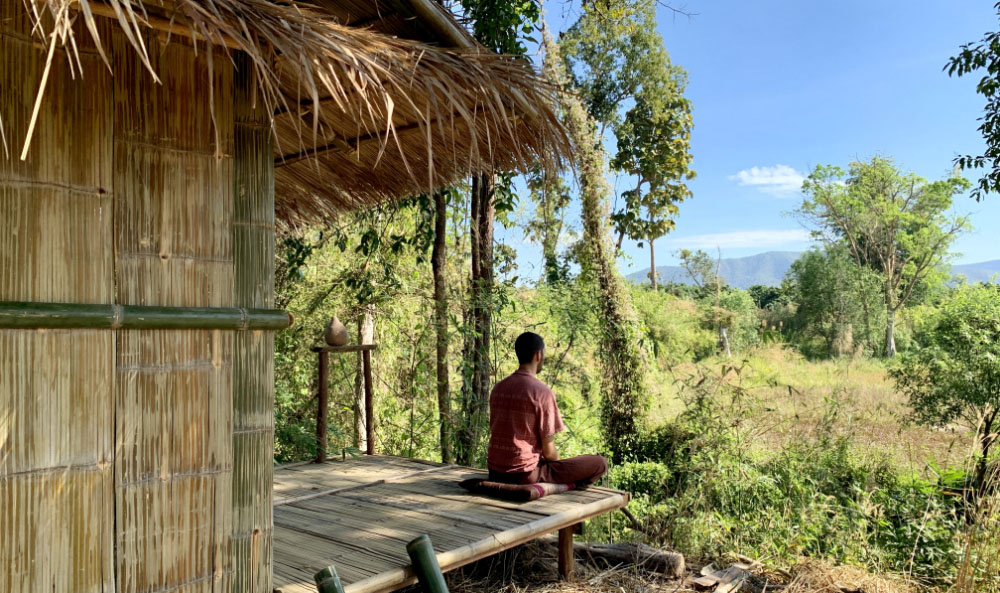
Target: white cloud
[(738, 239), (779, 180)]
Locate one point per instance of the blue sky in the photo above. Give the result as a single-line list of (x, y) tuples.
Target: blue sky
[(780, 87)]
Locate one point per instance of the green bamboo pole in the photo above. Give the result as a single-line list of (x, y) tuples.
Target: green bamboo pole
[(22, 315), (327, 581), (425, 565)]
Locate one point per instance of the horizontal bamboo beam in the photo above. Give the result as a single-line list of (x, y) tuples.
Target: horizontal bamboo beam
[(21, 315), (352, 348)]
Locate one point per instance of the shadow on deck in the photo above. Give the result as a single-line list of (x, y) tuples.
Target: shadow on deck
[(359, 514)]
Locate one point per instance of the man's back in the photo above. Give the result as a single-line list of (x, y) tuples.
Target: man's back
[(523, 413)]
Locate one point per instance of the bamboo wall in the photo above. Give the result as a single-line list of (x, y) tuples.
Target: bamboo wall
[(134, 460)]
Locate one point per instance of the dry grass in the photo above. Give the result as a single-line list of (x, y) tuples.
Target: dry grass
[(345, 101), (814, 576), (796, 396)]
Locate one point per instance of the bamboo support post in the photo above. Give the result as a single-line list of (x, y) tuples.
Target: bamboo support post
[(566, 552), (328, 581), (321, 414), (425, 565)]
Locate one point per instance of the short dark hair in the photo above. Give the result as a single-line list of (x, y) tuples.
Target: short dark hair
[(526, 345)]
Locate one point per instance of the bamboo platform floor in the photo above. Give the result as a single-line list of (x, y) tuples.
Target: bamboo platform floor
[(358, 514)]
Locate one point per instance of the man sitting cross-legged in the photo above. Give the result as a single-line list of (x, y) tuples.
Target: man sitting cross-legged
[(524, 419)]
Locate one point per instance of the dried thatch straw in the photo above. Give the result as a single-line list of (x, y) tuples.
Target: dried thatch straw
[(359, 117), (815, 576)]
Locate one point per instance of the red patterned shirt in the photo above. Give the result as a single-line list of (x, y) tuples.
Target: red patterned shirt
[(523, 413)]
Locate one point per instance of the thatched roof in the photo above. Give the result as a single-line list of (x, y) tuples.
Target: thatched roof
[(361, 114)]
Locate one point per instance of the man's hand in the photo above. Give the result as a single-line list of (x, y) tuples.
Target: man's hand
[(549, 452)]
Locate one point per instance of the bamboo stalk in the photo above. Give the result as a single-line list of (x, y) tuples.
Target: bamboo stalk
[(328, 581), (426, 566), (369, 402), (323, 404), (23, 315)]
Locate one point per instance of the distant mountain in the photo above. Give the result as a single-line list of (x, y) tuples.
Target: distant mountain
[(981, 272), (769, 269), (741, 272)]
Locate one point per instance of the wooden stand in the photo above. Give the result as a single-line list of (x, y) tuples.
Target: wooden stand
[(324, 395)]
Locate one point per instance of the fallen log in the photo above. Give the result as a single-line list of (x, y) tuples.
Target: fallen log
[(669, 564)]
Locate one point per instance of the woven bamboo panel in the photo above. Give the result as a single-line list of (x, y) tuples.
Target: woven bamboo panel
[(56, 413), (253, 354), (173, 241)]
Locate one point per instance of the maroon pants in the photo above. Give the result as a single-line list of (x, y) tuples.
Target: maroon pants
[(582, 470)]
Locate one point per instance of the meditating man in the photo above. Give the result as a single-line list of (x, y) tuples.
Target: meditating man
[(524, 420)]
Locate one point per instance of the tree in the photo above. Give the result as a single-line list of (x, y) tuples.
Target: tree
[(551, 196), (704, 272), (500, 25), (625, 400), (983, 55), (834, 298), (895, 223), (954, 375), (617, 56), (439, 258)]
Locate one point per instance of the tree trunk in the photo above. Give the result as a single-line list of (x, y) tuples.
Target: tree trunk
[(625, 399), (724, 342), (438, 259), (652, 265), (890, 333), (366, 335), (477, 383)]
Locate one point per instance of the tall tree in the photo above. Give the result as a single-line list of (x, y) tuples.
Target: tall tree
[(625, 400), (895, 223), (439, 257), (551, 196), (704, 272), (973, 57), (618, 57), (500, 26)]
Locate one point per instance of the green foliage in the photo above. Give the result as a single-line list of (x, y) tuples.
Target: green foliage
[(839, 304), (954, 373), (896, 224), (503, 25), (698, 487), (675, 329), (983, 55), (617, 58)]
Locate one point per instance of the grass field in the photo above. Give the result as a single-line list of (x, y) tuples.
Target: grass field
[(791, 396)]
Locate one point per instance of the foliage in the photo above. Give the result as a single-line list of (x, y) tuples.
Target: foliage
[(954, 374), (551, 196), (837, 301), (973, 57), (894, 223), (674, 327)]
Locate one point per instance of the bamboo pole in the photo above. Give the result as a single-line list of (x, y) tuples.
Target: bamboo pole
[(328, 581), (23, 315), (425, 565)]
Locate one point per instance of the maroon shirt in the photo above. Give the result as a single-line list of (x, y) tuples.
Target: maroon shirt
[(523, 412)]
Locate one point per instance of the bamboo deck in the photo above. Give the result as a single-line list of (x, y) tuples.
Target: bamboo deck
[(359, 514)]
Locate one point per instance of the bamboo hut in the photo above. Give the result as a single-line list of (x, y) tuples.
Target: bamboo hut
[(149, 152)]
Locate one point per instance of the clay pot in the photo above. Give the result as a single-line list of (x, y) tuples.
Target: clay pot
[(336, 333)]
